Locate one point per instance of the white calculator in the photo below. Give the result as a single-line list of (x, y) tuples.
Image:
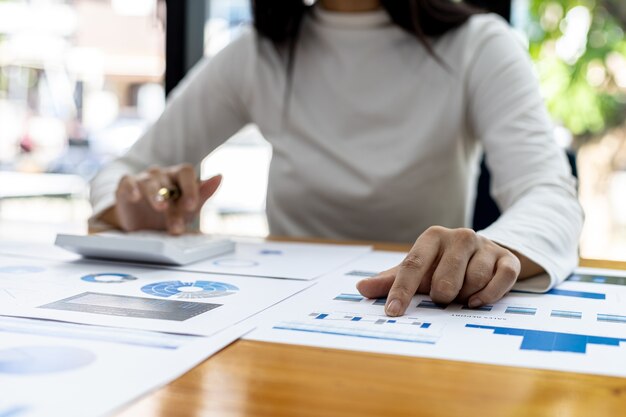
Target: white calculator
[(147, 247)]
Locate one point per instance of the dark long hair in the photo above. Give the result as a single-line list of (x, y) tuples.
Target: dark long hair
[(279, 20)]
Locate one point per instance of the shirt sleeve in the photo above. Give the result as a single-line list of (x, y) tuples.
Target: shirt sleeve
[(203, 111), (532, 182)]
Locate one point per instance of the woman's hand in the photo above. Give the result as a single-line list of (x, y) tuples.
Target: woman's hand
[(138, 205), (448, 264)]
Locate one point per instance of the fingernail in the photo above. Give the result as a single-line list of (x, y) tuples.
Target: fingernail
[(393, 308), (474, 302)]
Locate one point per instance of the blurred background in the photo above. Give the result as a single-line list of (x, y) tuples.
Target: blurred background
[(80, 80)]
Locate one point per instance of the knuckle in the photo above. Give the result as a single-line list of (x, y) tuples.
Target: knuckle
[(435, 231), (454, 261), (413, 262), (401, 291), (480, 274), (465, 236), (443, 291), (510, 270)]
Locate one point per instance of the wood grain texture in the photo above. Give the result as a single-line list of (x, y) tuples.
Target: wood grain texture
[(273, 380)]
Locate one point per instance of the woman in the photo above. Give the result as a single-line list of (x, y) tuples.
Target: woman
[(377, 111)]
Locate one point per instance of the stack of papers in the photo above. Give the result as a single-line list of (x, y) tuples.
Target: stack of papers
[(83, 338)]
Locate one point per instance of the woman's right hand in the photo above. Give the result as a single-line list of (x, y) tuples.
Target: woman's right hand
[(138, 205)]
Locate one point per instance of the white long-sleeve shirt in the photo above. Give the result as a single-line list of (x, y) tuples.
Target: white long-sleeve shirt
[(381, 141)]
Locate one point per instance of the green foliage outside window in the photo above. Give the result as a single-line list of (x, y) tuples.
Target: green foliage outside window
[(580, 51)]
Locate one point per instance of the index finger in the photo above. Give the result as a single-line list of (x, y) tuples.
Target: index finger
[(185, 178), (411, 272)]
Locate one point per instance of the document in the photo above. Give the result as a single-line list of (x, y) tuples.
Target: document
[(580, 326), (135, 297), (299, 261), (60, 369)]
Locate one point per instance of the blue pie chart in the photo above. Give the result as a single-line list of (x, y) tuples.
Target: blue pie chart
[(108, 278), (33, 360), (197, 289)]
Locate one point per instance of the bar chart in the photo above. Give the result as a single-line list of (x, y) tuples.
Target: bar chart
[(403, 329)]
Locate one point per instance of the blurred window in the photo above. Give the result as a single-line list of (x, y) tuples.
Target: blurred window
[(79, 81), (579, 49)]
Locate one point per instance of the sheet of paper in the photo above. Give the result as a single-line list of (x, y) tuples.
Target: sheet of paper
[(133, 297), (578, 327), (300, 261), (83, 371)]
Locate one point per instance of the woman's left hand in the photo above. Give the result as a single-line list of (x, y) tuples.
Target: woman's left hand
[(449, 265)]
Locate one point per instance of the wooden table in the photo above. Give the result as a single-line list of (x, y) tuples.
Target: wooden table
[(272, 380)]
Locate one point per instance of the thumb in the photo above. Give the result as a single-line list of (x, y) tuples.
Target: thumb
[(208, 188), (377, 286)]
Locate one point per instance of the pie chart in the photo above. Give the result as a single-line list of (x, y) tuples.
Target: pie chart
[(108, 278), (190, 290)]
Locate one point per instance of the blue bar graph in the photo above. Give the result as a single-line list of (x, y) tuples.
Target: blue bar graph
[(366, 335), (566, 314), (481, 308), (349, 297), (597, 279), (568, 293), (577, 294), (365, 274), (528, 311), (380, 302), (612, 318), (340, 318), (430, 304), (551, 341), (366, 329)]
